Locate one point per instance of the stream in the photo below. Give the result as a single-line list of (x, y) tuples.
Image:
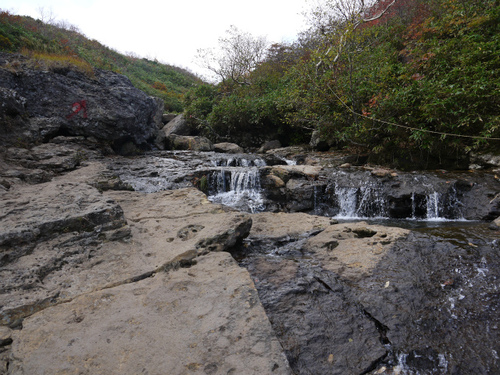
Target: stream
[(430, 305)]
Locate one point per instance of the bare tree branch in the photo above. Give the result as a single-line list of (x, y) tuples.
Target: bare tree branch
[(238, 54)]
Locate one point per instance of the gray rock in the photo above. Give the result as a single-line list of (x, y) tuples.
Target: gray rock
[(229, 148), (88, 290), (42, 211), (178, 125), (317, 142), (167, 117), (40, 105), (269, 145), (181, 142), (485, 160), (70, 239)]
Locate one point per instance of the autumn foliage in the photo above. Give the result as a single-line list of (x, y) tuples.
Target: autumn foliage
[(414, 87)]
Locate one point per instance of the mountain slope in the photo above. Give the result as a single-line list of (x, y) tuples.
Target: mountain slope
[(59, 44)]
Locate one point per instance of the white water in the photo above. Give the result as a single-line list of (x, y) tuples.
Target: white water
[(360, 203), (238, 188), (368, 202)]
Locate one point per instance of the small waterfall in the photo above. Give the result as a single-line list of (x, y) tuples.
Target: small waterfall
[(364, 197), (238, 188), (238, 161), (363, 202), (433, 206)]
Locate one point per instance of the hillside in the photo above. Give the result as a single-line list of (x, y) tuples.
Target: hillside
[(60, 44), (411, 83)]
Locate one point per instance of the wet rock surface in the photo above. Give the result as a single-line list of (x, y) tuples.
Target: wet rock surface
[(358, 298)]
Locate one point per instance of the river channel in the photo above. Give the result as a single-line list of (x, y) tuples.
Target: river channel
[(429, 305)]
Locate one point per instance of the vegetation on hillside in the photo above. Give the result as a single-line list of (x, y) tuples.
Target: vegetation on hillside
[(407, 81), (57, 43)]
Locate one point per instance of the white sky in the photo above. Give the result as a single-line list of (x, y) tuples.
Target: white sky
[(169, 30)]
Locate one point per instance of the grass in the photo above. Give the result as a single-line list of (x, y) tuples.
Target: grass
[(58, 46)]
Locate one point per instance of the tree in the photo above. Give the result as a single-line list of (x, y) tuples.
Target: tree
[(340, 19), (238, 54)]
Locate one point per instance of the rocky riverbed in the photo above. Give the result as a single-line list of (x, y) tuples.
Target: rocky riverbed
[(99, 278), (316, 263)]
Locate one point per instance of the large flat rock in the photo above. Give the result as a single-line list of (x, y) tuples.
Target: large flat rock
[(353, 250), (206, 319), (274, 226), (166, 230)]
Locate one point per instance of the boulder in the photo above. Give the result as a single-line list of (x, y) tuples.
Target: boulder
[(383, 173), (485, 160), (229, 148), (178, 125), (269, 145), (40, 105), (317, 143), (181, 142), (167, 117)]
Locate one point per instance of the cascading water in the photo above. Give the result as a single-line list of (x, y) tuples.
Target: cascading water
[(362, 197), (363, 202), (237, 184)]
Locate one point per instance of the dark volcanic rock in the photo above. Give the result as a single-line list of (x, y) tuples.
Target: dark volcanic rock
[(40, 105), (397, 302)]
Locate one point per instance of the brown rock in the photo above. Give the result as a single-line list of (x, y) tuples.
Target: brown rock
[(206, 319)]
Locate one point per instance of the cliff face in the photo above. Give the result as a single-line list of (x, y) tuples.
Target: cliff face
[(37, 105)]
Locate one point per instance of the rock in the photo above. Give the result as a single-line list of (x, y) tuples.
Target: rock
[(273, 159), (317, 143), (359, 248), (34, 213), (343, 304), (74, 247), (364, 232), (495, 224), (300, 171), (40, 105), (269, 145), (381, 172), (230, 148), (484, 160), (299, 296), (178, 125), (5, 336), (167, 117), (291, 225), (203, 319), (12, 104), (356, 159), (272, 182), (180, 142)]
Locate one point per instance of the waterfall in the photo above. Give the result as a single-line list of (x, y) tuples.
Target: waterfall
[(360, 202), (238, 188), (433, 206), (361, 197)]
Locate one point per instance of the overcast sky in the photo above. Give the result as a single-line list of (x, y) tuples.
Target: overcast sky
[(172, 30)]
